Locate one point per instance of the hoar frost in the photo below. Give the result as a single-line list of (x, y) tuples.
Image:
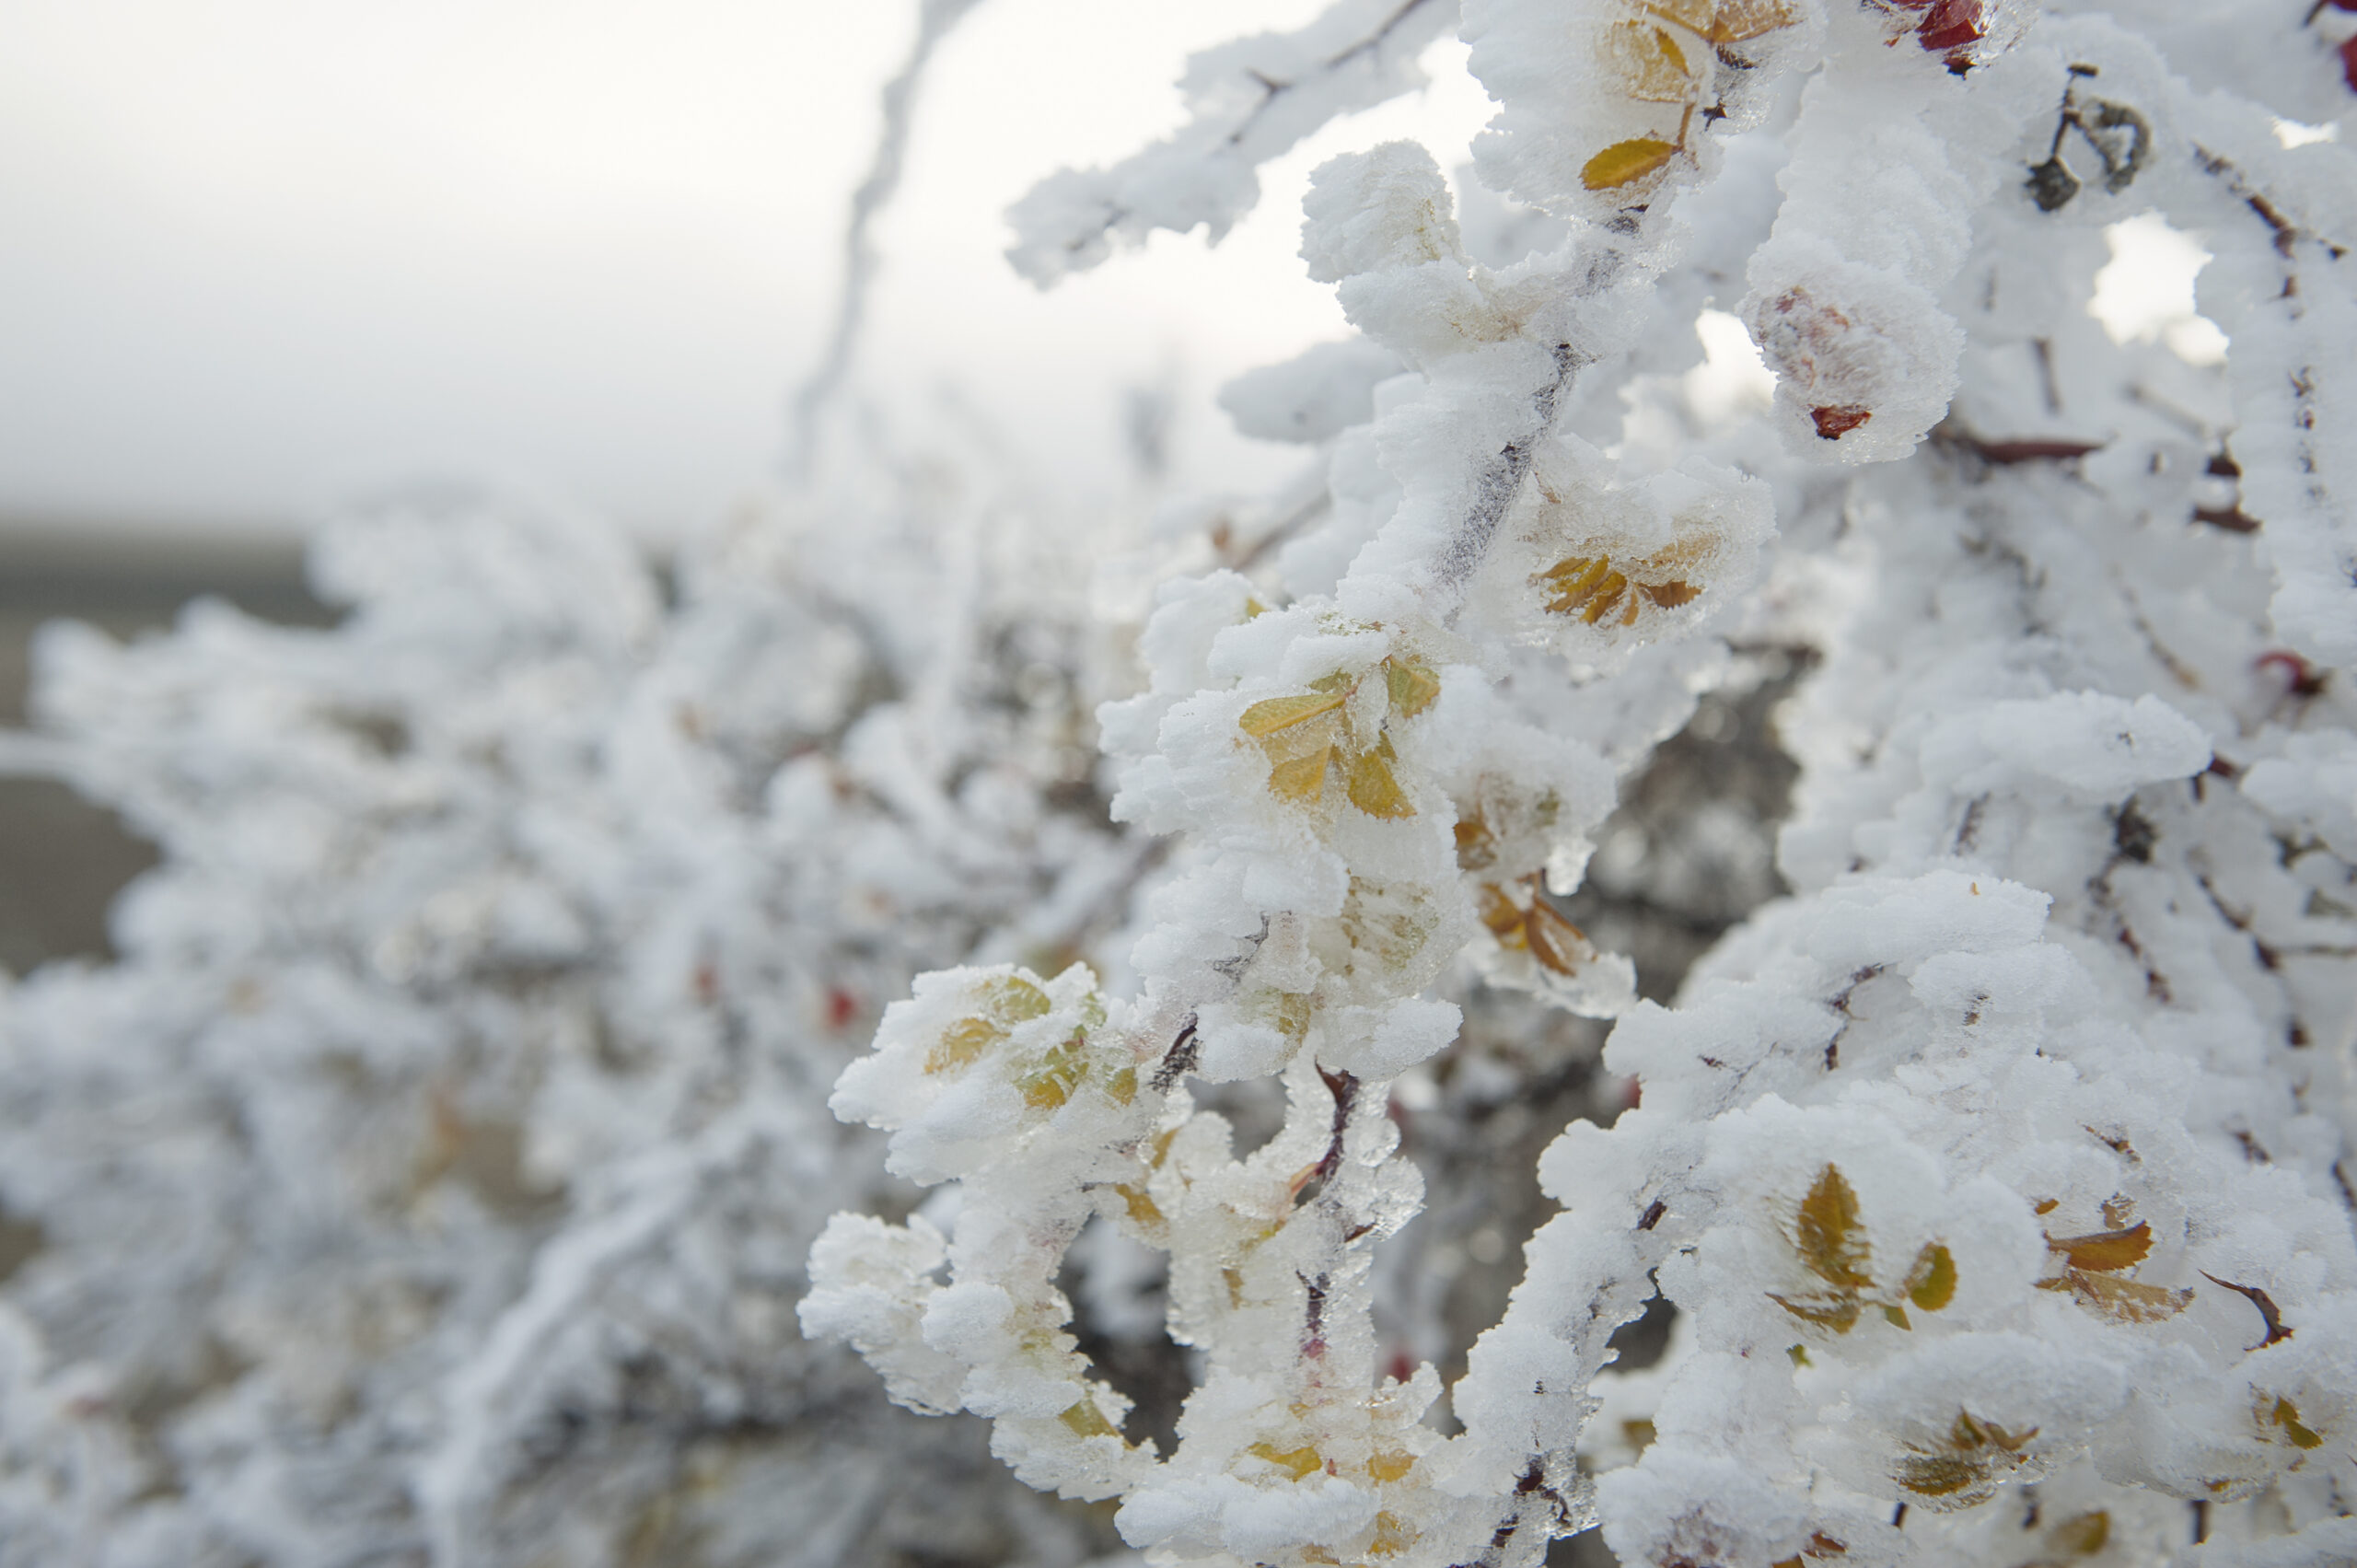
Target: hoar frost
[(1997, 1175)]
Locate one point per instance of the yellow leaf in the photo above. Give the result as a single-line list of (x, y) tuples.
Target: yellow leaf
[(1013, 999), (1051, 1083), (961, 1044), (1373, 790), (1828, 1233), (1694, 16), (1086, 1421), (2106, 1250), (1650, 66), (1392, 1536), (1897, 1318), (1931, 1284), (1263, 719), (1669, 594), (1477, 847), (1142, 1209), (1297, 1462), (1302, 778), (2287, 1416), (1738, 22), (1293, 1015), (1608, 593), (1391, 1465), (1412, 687), (1625, 163)]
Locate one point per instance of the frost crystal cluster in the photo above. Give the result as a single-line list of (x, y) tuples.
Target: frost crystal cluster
[(1998, 1176)]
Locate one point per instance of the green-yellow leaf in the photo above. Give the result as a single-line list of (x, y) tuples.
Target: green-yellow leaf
[(1014, 1000), (1086, 1421), (1625, 163), (961, 1044), (1302, 778), (1412, 687)]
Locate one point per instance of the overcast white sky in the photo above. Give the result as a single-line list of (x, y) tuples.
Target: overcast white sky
[(257, 255)]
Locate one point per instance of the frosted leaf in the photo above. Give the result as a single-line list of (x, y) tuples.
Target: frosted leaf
[(1370, 212)]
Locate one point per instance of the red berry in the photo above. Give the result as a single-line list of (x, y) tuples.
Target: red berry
[(842, 1007), (2349, 63)]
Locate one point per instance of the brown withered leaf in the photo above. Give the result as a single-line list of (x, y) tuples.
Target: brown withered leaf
[(1957, 1479), (1647, 64), (1588, 587), (2268, 1311), (1828, 1235), (1625, 163), (1965, 1466), (2082, 1535), (1837, 1311), (1500, 915), (1555, 942), (2122, 1301), (1592, 588), (2106, 1251)]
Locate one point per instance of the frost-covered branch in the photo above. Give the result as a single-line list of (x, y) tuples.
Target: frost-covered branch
[(1994, 1163), (873, 194), (1248, 102)]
